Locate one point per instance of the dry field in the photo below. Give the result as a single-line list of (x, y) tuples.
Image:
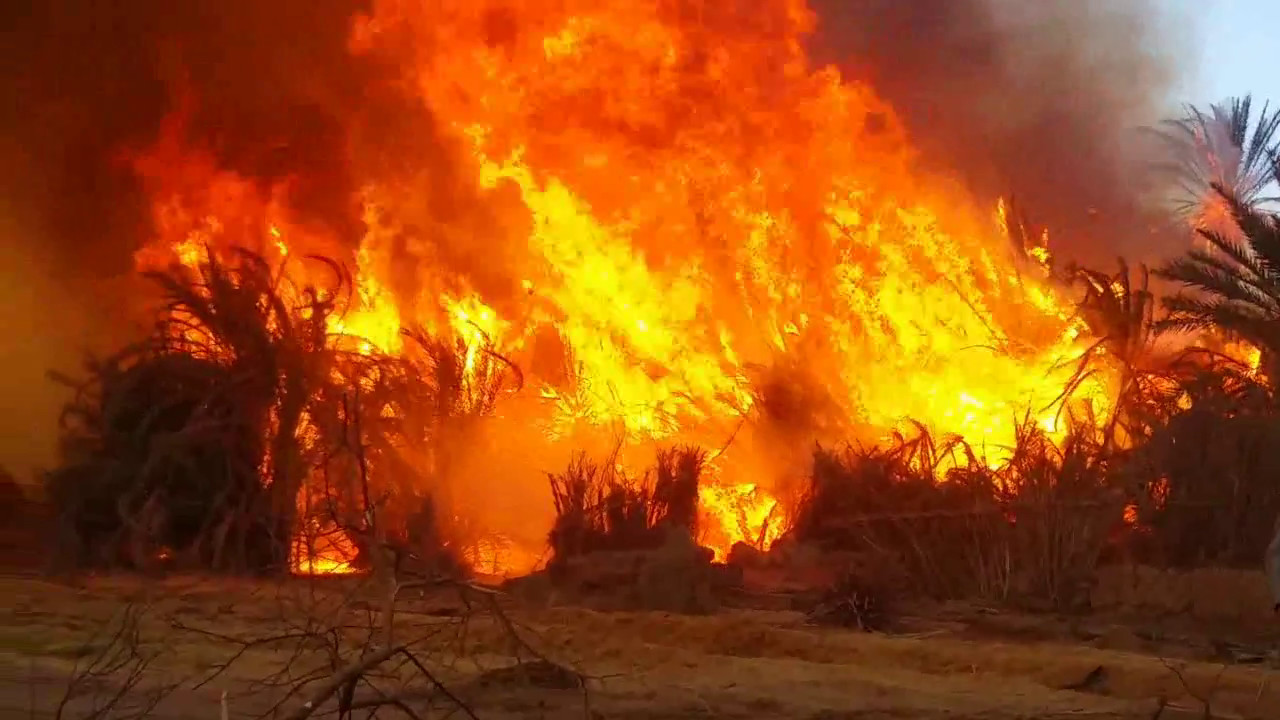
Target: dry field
[(942, 662)]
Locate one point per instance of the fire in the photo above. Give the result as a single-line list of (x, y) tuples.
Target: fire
[(1244, 352), (674, 199), (739, 513), (323, 551)]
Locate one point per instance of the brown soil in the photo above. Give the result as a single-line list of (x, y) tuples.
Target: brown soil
[(1213, 595), (25, 525), (956, 661)]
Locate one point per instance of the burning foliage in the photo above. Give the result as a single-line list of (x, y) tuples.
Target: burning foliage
[(243, 421), (1206, 494), (599, 508), (728, 205), (622, 542), (188, 442), (474, 242), (1232, 285), (1033, 526), (159, 454)]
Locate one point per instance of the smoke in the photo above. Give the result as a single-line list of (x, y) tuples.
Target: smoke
[(1041, 101), (273, 93), (1035, 99), (87, 82)]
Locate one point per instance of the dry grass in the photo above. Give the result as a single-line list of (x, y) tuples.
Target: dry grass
[(739, 664)]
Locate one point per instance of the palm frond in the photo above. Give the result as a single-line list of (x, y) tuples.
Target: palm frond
[(1225, 144)]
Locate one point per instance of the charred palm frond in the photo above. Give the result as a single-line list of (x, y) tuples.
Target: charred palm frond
[(957, 526), (466, 379), (160, 451), (677, 475), (1212, 495), (850, 486), (579, 495), (1120, 314), (1027, 239), (274, 338), (1118, 310), (419, 414), (1208, 491), (1205, 378), (450, 390)]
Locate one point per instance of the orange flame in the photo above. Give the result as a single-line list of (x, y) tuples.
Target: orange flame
[(323, 552), (739, 513), (680, 198)]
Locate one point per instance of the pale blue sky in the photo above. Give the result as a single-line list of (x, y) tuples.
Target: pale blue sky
[(1235, 44)]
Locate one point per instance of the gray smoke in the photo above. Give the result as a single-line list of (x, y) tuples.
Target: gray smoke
[(1040, 100)]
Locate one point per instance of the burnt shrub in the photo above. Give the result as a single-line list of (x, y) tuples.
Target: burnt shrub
[(1029, 528), (598, 508), (1207, 486), (854, 603), (158, 455)]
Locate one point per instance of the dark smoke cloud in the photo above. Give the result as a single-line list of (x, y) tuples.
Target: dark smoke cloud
[(1038, 99), (85, 80), (1032, 98), (89, 78)]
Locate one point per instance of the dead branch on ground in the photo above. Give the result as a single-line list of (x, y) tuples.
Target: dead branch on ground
[(110, 671), (1205, 699)]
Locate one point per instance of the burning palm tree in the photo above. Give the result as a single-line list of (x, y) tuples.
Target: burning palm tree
[(1227, 146), (1233, 286)]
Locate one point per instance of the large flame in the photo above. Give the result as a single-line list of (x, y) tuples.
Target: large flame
[(673, 200)]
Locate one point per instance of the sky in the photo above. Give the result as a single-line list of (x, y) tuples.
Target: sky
[(1235, 47)]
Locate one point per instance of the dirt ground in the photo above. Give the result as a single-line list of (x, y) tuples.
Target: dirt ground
[(950, 661)]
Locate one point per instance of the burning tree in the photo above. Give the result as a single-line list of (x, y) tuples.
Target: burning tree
[(1235, 285), (1226, 146), (244, 409)]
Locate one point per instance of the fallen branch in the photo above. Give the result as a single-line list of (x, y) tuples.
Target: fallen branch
[(347, 676)]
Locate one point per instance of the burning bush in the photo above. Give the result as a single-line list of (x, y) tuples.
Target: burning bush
[(160, 454), (1031, 527), (244, 421), (598, 508), (1208, 493), (167, 443)]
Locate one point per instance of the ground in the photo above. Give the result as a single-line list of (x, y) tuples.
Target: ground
[(941, 661)]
